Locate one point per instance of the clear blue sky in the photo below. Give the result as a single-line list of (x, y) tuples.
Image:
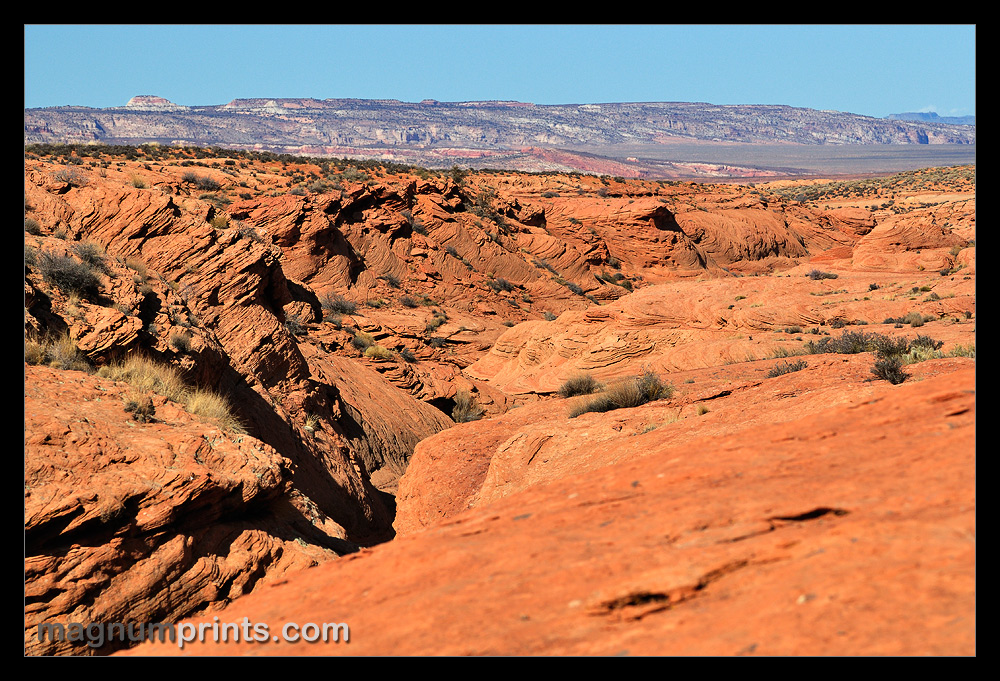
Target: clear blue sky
[(873, 70)]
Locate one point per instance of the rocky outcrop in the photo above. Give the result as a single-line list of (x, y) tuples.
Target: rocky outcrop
[(849, 530), (149, 522)]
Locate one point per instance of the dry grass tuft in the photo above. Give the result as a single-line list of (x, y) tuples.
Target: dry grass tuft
[(147, 375), (632, 392)]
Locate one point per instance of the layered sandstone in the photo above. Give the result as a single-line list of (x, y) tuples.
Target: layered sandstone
[(346, 313)]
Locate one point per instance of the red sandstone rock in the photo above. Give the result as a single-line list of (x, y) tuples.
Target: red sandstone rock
[(457, 285), (849, 531)]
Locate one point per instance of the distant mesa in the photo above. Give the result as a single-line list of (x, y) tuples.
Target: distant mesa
[(932, 117), (153, 103)]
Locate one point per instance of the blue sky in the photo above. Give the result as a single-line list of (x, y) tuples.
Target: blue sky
[(872, 70)]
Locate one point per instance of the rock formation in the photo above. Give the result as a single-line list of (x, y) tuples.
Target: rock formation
[(391, 344)]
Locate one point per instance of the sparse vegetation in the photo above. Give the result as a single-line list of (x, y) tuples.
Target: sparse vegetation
[(294, 325), (362, 341), (378, 352), (582, 384), (782, 368), (890, 368), (501, 285), (68, 274), (334, 303), (181, 342), (466, 408), (624, 394), (59, 352), (140, 406), (146, 375)]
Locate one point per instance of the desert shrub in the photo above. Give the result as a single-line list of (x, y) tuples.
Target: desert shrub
[(408, 301), (782, 368), (890, 369), (436, 341), (140, 406), (207, 184), (57, 352), (501, 285), (466, 409), (70, 176), (817, 274), (378, 352), (854, 342), (139, 267), (32, 227), (294, 325), (407, 355), (575, 288), (138, 182), (626, 394), (334, 303), (68, 274), (549, 316), (963, 351), (362, 341), (582, 384), (181, 342), (91, 253), (391, 279), (926, 342), (435, 322)]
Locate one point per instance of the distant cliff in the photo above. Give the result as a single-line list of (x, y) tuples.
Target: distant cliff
[(335, 125)]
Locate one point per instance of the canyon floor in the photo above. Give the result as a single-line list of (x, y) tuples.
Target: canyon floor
[(385, 397)]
